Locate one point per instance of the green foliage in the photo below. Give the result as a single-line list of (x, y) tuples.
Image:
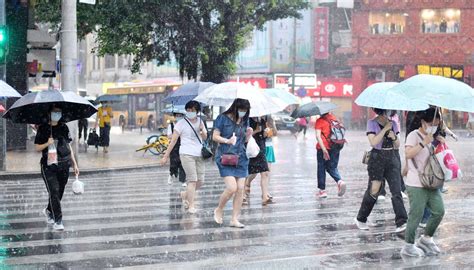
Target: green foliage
[(204, 36)]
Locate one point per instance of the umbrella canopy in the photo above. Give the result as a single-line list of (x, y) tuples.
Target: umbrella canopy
[(380, 95), (174, 109), (187, 92), (108, 98), (2, 109), (439, 91), (34, 108), (282, 96), (224, 94), (7, 91), (313, 108)]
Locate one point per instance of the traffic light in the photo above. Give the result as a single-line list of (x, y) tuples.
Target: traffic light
[(3, 44)]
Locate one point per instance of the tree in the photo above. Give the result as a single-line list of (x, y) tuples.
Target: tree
[(204, 36)]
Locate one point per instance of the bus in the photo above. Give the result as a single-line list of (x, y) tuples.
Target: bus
[(141, 104)]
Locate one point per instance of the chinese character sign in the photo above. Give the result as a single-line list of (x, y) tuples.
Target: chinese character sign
[(321, 33)]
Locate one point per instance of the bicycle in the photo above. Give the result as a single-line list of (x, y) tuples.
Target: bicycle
[(156, 144)]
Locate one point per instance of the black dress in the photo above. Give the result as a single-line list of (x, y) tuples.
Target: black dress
[(259, 163)]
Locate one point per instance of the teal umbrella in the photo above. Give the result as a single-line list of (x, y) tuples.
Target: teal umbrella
[(380, 95), (438, 91), (282, 97)]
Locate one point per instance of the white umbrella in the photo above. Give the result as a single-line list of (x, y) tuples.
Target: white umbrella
[(224, 94), (7, 91)]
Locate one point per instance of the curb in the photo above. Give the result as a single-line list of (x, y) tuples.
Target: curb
[(7, 176)]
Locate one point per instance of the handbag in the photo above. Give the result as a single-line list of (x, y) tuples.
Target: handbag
[(252, 148), (230, 160), (206, 152), (366, 157), (448, 162)]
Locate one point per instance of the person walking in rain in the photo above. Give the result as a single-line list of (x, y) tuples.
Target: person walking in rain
[(232, 131), (192, 132), (384, 163), (416, 151), (258, 164), (53, 141), (327, 156), (104, 120)]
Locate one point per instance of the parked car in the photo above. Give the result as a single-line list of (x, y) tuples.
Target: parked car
[(284, 121)]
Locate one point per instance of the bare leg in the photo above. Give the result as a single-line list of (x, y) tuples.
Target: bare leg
[(264, 178), (230, 190), (238, 201), (190, 192)]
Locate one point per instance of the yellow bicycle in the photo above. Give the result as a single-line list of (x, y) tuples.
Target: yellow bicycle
[(156, 144)]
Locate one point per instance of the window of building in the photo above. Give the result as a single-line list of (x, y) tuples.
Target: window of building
[(440, 20), (109, 61), (387, 23)]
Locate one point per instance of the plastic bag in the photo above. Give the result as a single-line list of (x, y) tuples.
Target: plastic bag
[(52, 154), (77, 186), (448, 162), (252, 148)]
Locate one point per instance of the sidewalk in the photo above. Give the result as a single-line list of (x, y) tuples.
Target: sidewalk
[(121, 155)]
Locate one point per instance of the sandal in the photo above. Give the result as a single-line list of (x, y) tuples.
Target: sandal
[(218, 220), (267, 201), (183, 199), (247, 190)]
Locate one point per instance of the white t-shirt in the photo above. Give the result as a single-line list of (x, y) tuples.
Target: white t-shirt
[(421, 159), (190, 144)]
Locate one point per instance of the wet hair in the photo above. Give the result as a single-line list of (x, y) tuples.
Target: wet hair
[(379, 111), (429, 114), (55, 106), (241, 104), (193, 105)]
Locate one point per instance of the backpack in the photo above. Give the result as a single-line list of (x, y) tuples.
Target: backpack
[(337, 134), (432, 176)]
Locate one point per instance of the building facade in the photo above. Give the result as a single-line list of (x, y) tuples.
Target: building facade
[(397, 39)]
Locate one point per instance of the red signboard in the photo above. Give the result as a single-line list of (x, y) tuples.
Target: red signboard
[(257, 82), (321, 33)]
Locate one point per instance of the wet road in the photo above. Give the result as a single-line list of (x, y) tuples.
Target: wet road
[(134, 220)]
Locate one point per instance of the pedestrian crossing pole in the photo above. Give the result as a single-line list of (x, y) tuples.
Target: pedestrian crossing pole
[(69, 58), (3, 71)]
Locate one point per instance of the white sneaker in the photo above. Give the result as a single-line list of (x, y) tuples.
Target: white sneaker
[(422, 225), (361, 225), (170, 179), (184, 185), (412, 251), (58, 226), (401, 228), (380, 199), (49, 217), (404, 195), (428, 246), (192, 210)]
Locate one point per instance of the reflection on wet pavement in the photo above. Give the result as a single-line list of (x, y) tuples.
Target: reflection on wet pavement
[(135, 220)]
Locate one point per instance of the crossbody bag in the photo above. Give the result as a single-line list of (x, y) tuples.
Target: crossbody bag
[(206, 152)]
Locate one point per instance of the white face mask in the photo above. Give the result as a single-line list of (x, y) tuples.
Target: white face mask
[(242, 114), (191, 115), (179, 118), (55, 116), (431, 129)]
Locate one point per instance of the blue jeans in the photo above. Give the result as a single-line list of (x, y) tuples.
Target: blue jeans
[(329, 166)]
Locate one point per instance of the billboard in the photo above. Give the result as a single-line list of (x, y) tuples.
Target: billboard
[(285, 81), (321, 33), (255, 57)]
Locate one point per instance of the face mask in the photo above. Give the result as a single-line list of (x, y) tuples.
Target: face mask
[(431, 129), (55, 116), (242, 114), (179, 118), (191, 115)]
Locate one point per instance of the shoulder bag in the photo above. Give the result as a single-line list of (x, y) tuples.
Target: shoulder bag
[(231, 159), (432, 176)]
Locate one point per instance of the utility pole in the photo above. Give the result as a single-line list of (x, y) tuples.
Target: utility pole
[(69, 56), (3, 123), (293, 54)]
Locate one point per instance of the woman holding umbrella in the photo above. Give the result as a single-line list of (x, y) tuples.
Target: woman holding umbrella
[(104, 120), (54, 137)]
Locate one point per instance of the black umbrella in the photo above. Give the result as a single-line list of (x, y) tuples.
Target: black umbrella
[(187, 92), (313, 108), (34, 108)]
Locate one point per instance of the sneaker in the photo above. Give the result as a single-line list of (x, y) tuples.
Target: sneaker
[(422, 225), (428, 246), (401, 228), (444, 190), (192, 210), (381, 199), (58, 226), (170, 179), (322, 194), (361, 225), (341, 188), (404, 195), (184, 185), (48, 215), (412, 251)]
